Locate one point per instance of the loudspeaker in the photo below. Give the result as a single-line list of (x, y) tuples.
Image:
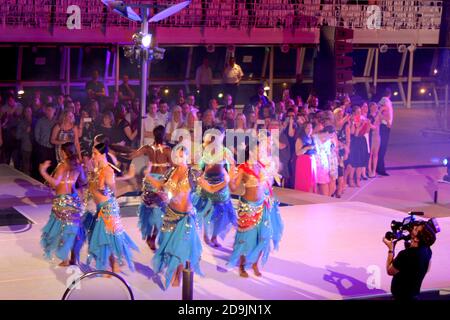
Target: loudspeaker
[(332, 68), (444, 31)]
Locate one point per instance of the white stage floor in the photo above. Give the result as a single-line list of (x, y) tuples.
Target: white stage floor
[(329, 251)]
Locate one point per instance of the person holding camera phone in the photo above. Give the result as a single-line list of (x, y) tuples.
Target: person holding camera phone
[(410, 266)]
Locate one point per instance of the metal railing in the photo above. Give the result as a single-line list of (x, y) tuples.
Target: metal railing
[(306, 14)]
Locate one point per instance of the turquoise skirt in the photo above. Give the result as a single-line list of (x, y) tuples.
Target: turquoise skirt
[(260, 230), (108, 237), (63, 231), (215, 212), (178, 243)]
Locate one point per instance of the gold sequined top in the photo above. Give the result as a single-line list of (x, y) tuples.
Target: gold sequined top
[(182, 185)]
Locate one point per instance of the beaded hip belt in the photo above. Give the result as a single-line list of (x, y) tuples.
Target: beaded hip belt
[(109, 212), (171, 218), (249, 215), (67, 208)]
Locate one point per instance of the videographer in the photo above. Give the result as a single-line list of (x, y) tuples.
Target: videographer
[(409, 267)]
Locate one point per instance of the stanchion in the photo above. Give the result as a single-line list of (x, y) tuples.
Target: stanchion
[(188, 282)]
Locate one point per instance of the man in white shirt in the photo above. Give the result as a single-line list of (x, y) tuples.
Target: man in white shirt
[(162, 116), (150, 123), (203, 80), (232, 76), (387, 118)]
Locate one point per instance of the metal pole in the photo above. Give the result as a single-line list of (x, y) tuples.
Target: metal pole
[(117, 69), (410, 79), (375, 72), (144, 74), (272, 54), (446, 108), (188, 283), (68, 71)]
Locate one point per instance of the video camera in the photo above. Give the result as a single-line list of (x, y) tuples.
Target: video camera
[(401, 230)]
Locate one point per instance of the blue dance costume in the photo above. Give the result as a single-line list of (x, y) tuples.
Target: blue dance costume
[(152, 208), (178, 241), (63, 231), (215, 209), (108, 236), (259, 223)]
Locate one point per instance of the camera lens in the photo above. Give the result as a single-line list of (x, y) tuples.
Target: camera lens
[(389, 236)]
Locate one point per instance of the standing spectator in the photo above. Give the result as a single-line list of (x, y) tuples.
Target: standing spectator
[(213, 105), (227, 103), (106, 126), (290, 129), (95, 89), (25, 135), (259, 96), (124, 135), (208, 120), (232, 76), (150, 123), (42, 133), (229, 118), (364, 116), (374, 137), (191, 102), (155, 93), (387, 118), (305, 167), (203, 80), (126, 93), (175, 122), (322, 142), (162, 116), (251, 120), (343, 136), (10, 115), (65, 131), (86, 132), (60, 105)]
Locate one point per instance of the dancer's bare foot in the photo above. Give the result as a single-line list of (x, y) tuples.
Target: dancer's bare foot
[(64, 263), (151, 243), (256, 270), (215, 243), (242, 272), (206, 239)]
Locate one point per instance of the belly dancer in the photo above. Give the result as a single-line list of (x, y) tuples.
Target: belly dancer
[(216, 209), (179, 241), (153, 206), (259, 220), (109, 243), (63, 235)]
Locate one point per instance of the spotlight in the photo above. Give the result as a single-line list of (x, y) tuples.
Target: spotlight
[(446, 163), (20, 92), (422, 90), (166, 91), (435, 71), (401, 48), (395, 93), (284, 85), (146, 40), (220, 95), (384, 48)]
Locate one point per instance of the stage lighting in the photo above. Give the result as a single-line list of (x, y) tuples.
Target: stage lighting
[(395, 93), (446, 163), (20, 92), (146, 40), (284, 85), (158, 53), (166, 91), (422, 90), (220, 95), (401, 48), (435, 71)]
